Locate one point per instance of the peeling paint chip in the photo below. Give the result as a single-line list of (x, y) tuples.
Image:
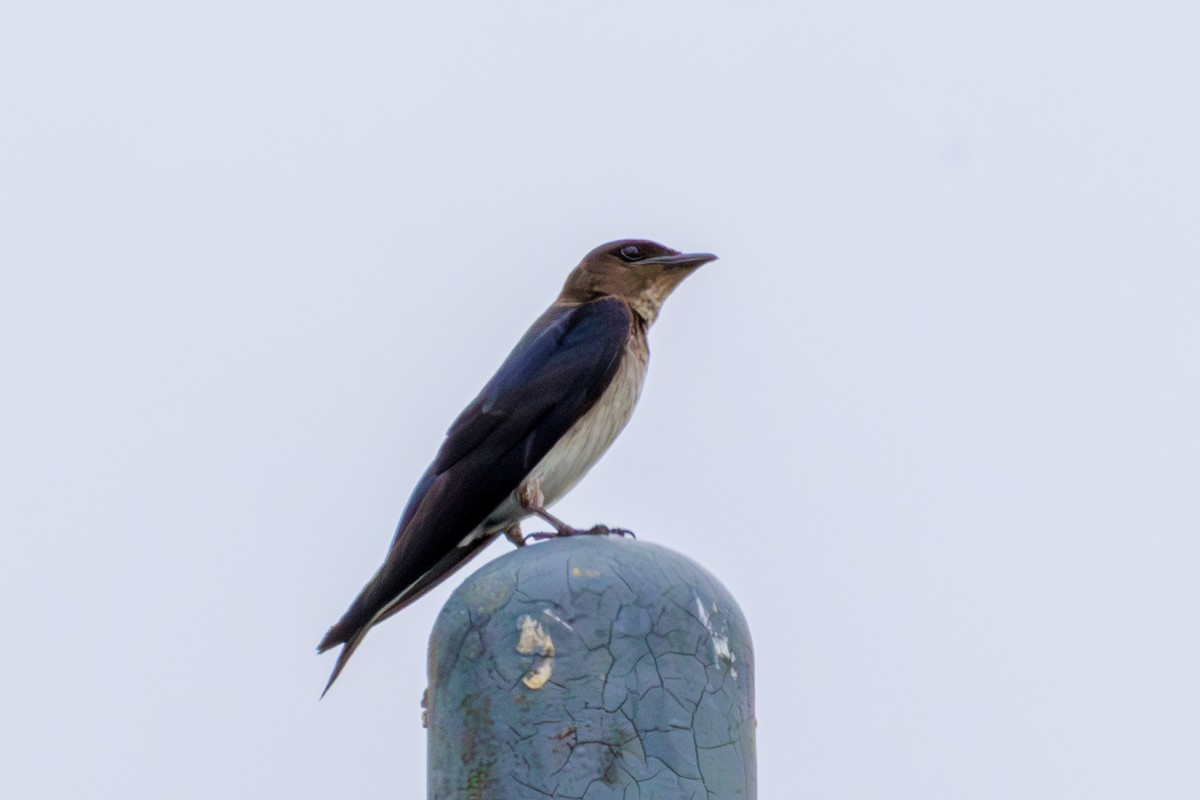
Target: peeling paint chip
[(533, 640), (536, 678), (722, 653)]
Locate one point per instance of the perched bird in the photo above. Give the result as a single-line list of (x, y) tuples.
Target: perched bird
[(555, 405)]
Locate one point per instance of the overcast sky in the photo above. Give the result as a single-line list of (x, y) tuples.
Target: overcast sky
[(932, 417)]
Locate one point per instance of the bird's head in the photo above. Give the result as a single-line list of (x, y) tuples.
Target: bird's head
[(640, 272)]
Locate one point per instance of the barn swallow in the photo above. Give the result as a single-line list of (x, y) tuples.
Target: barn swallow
[(555, 405)]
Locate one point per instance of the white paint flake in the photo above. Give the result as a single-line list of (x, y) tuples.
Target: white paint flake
[(533, 640), (720, 641)]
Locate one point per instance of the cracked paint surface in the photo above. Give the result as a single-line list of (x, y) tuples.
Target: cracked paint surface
[(592, 668)]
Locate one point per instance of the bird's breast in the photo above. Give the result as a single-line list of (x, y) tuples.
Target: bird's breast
[(588, 439), (584, 442)]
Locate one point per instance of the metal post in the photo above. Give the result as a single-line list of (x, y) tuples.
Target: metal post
[(592, 668)]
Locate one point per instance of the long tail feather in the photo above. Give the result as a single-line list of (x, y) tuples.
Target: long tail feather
[(353, 626), (347, 650), (427, 582)]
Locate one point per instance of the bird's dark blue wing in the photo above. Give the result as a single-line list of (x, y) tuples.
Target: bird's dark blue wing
[(555, 373), (551, 378)]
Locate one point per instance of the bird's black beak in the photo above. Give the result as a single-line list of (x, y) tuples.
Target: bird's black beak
[(681, 260)]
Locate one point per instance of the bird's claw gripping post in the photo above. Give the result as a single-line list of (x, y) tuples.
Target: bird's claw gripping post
[(531, 499), (604, 530)]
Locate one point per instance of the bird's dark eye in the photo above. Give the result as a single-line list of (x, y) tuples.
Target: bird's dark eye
[(630, 252)]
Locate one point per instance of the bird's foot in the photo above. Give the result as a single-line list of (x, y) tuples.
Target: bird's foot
[(604, 530), (567, 530), (533, 501)]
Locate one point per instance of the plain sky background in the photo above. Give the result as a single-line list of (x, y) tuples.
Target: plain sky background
[(932, 418)]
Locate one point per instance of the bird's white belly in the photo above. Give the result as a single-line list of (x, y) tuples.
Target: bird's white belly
[(582, 445)]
